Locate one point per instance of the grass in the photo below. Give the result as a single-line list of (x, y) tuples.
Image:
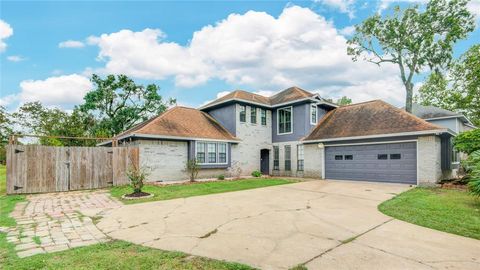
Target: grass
[(111, 255), (196, 189), (452, 211)]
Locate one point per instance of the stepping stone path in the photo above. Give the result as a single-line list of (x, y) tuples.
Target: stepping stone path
[(59, 221)]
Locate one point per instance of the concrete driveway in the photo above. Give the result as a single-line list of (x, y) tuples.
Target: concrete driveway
[(325, 224)]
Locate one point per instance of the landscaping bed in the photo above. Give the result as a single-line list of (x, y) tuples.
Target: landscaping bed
[(449, 210), (167, 192)]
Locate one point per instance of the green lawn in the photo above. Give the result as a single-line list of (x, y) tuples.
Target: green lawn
[(111, 255), (199, 188), (445, 210)]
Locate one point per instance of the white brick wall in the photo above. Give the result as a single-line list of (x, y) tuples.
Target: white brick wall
[(254, 138), (314, 157), (429, 160)]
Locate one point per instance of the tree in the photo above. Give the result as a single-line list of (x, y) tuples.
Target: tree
[(459, 90), (5, 131), (468, 141), (413, 39), (344, 101), (118, 103), (34, 118)]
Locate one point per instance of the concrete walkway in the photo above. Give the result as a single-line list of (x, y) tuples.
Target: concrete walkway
[(325, 224), (58, 221)]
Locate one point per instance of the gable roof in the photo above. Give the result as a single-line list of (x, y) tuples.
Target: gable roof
[(180, 122), (427, 112), (368, 119), (288, 95)]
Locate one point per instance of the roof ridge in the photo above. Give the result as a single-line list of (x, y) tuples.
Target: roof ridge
[(361, 103)]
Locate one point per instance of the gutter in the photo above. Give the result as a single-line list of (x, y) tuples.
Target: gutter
[(166, 137)]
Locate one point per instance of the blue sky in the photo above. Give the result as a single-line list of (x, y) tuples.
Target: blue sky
[(195, 51)]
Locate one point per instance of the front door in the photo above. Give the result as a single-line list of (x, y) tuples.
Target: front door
[(265, 161)]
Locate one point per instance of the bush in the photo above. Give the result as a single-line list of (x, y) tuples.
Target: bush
[(468, 141), (473, 162), (137, 176), (256, 174), (221, 177), (192, 169)]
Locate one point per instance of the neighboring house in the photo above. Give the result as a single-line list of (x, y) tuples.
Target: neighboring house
[(293, 133)]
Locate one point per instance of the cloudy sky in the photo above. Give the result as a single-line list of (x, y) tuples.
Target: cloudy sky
[(195, 51)]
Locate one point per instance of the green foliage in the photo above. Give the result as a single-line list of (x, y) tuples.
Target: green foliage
[(137, 176), (256, 174), (118, 103), (221, 177), (460, 90), (344, 101), (192, 167), (473, 162), (468, 141), (413, 38)]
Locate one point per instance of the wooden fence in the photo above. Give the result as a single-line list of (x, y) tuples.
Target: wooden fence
[(37, 169)]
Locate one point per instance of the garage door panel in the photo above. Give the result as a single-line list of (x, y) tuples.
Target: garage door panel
[(367, 167)]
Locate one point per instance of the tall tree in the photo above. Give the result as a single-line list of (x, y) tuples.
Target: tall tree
[(413, 39), (5, 131), (118, 103), (457, 91), (344, 101)]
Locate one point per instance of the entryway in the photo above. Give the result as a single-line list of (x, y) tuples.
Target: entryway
[(265, 161)]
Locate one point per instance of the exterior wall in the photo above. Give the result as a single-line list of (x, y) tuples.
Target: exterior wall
[(429, 160), (255, 137), (293, 160), (225, 116), (301, 123), (314, 160)]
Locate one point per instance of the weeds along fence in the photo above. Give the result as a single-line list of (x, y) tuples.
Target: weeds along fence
[(40, 169)]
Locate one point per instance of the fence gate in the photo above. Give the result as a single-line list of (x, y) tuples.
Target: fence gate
[(37, 169)]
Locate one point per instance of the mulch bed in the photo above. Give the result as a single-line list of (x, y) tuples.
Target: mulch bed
[(137, 195)]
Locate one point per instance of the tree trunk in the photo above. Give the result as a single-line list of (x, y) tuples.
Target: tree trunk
[(409, 97)]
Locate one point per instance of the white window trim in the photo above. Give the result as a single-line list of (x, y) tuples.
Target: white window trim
[(266, 117), (278, 120), (313, 106), (240, 112), (206, 153), (256, 115)]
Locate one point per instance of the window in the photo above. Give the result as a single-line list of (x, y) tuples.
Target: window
[(222, 153), (395, 156), (276, 158), (288, 154), (338, 157), (382, 156), (300, 155), (284, 120), (200, 152), (348, 157), (243, 113), (211, 152), (263, 117), (313, 114), (455, 155), (253, 115)]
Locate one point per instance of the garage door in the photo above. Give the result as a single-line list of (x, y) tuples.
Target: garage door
[(391, 162)]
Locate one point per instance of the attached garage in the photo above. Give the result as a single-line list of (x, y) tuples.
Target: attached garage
[(380, 162)]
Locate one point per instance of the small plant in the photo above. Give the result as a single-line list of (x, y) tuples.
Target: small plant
[(192, 169), (256, 174), (137, 176), (221, 177)]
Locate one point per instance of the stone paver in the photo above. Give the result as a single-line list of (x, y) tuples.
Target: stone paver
[(58, 221), (325, 224)]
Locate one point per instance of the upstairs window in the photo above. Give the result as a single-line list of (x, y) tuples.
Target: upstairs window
[(300, 155), (313, 114), (243, 113), (288, 161), (211, 152), (284, 120), (276, 158), (253, 115), (263, 117)]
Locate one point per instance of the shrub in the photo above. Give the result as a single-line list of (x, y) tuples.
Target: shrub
[(256, 174), (221, 177), (137, 176), (192, 169), (468, 141), (473, 162)]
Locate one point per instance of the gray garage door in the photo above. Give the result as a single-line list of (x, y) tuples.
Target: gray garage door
[(392, 162)]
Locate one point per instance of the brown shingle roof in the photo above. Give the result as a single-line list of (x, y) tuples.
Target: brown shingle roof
[(287, 95), (368, 118), (182, 122)]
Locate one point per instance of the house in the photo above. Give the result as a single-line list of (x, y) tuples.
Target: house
[(293, 133)]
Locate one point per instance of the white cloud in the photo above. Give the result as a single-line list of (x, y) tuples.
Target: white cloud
[(347, 31), (55, 91), (71, 44), (16, 58), (222, 94), (5, 32), (474, 7), (344, 6), (253, 49), (8, 100)]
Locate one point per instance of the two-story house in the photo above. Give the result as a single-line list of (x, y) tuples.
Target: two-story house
[(293, 133)]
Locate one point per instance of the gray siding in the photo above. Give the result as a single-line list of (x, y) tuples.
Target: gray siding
[(450, 123), (301, 124), (226, 117)]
